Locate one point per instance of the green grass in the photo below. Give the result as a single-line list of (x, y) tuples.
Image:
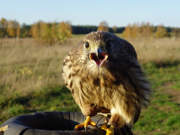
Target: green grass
[(162, 117), (56, 98), (30, 81)]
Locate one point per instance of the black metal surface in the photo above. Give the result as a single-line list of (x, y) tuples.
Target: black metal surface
[(54, 123)]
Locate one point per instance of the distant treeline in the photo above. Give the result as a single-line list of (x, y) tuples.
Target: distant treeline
[(59, 31), (147, 30), (84, 29)]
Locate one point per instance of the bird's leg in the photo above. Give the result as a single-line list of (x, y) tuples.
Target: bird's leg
[(85, 123), (109, 130), (106, 115)]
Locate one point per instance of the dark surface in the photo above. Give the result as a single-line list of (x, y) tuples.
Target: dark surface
[(55, 123)]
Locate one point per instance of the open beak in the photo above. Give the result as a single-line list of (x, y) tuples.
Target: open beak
[(99, 58)]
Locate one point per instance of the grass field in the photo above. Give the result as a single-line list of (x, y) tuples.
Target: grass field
[(30, 81)]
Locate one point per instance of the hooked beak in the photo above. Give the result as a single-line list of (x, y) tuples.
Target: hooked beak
[(99, 57)]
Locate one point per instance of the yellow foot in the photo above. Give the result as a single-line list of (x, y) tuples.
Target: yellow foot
[(109, 131), (4, 128), (85, 123)]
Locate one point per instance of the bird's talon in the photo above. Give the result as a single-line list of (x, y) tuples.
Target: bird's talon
[(85, 124), (109, 130), (92, 123)]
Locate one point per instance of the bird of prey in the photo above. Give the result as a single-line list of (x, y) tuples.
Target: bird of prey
[(104, 76)]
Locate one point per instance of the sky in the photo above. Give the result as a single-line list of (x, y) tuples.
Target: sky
[(92, 12)]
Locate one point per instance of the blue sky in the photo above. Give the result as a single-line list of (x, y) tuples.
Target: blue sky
[(92, 12)]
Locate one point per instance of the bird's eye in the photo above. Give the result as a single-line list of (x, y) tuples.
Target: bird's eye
[(86, 44)]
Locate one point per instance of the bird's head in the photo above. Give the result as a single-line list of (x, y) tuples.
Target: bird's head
[(96, 52), (104, 49), (96, 48)]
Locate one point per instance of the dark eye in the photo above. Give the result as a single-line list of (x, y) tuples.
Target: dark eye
[(86, 44)]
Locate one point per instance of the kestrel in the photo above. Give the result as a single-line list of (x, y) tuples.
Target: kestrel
[(104, 76)]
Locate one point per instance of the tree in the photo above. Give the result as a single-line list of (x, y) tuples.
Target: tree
[(54, 32), (41, 31), (146, 30), (10, 29), (138, 30), (18, 31), (103, 26), (44, 32), (35, 30), (161, 32), (64, 31), (51, 32), (114, 29), (3, 27), (25, 31), (126, 33), (175, 32)]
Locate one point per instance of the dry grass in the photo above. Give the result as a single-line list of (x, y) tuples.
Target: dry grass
[(160, 51), (26, 66), (30, 81)]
